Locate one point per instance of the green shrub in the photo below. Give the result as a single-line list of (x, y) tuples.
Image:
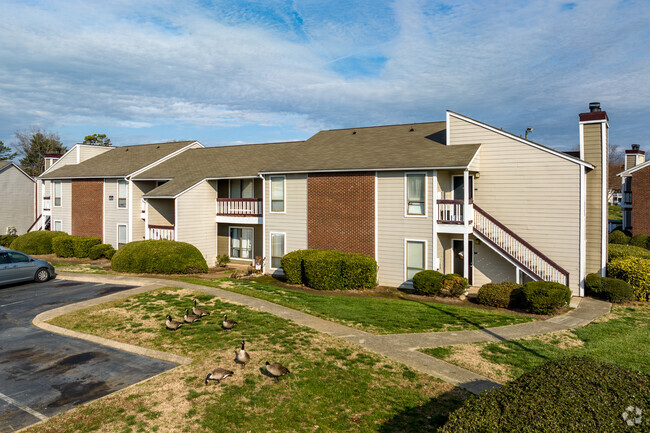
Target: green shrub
[(358, 272), (62, 246), (634, 270), (293, 265), (618, 237), (572, 395), (223, 260), (6, 240), (83, 244), (639, 240), (39, 242), (544, 297), (615, 251), (594, 283), (323, 270), (101, 250), (162, 257), (453, 286), (428, 282), (617, 291), (497, 295)]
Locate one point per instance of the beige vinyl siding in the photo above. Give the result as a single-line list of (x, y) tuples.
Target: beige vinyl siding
[(16, 200), (293, 222), (534, 193), (593, 149), (139, 189), (87, 151), (393, 227), (114, 215), (223, 240), (489, 266), (160, 211), (196, 213), (63, 213)]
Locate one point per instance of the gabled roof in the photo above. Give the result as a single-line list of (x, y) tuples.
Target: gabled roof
[(4, 165), (119, 161), (629, 171)]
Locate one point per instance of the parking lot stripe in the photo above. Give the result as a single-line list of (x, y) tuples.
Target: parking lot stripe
[(29, 410)]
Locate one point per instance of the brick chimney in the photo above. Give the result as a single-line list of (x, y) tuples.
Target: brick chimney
[(594, 148), (634, 156)]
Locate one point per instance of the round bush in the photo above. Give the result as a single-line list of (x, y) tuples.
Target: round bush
[(617, 291), (39, 242), (572, 395), (634, 270), (62, 246), (83, 244), (428, 282), (497, 295), (544, 297), (101, 250), (639, 240), (594, 283), (6, 240), (358, 272), (293, 265), (618, 237), (453, 286), (323, 270), (159, 257), (615, 251)]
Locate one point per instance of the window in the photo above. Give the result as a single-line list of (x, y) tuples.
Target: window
[(58, 226), (241, 188), (57, 192), (121, 235), (4, 258), (121, 193), (18, 258), (277, 249), (277, 193), (241, 243), (415, 194), (415, 258)]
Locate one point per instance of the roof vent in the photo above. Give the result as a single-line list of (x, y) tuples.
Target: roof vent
[(635, 147), (594, 107)]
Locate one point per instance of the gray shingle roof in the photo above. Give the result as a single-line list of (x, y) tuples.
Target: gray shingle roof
[(118, 162)]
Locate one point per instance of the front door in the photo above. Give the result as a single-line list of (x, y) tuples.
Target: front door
[(457, 246)]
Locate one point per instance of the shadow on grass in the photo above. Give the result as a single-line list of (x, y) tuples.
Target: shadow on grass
[(427, 417)]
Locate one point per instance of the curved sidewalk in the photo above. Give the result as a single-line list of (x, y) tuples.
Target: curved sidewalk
[(399, 347)]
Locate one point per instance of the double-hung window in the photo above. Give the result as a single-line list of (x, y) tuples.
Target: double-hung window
[(241, 243), (121, 193), (121, 235), (277, 249), (58, 225), (57, 192), (415, 258), (415, 194), (241, 188), (277, 193)]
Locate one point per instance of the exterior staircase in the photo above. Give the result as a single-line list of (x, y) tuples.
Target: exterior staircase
[(41, 223)]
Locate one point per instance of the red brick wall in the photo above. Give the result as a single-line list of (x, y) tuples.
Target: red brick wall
[(87, 207), (341, 212), (641, 201)]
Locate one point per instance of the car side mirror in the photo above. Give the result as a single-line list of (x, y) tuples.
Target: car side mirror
[(31, 260)]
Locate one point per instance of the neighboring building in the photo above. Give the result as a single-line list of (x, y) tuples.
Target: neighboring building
[(457, 196), (636, 191), (17, 199)]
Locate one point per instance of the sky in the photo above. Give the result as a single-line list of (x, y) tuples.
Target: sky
[(230, 72)]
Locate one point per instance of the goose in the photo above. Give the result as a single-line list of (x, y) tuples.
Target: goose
[(190, 318), (199, 311), (228, 324), (218, 374), (172, 324), (276, 370), (241, 356)]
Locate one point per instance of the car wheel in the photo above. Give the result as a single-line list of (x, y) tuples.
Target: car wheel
[(42, 275)]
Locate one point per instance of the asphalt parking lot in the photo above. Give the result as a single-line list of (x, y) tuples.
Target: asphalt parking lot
[(43, 374)]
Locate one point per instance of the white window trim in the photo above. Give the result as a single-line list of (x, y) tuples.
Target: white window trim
[(252, 259), (117, 234), (284, 185), (117, 202), (426, 256), (426, 194), (284, 246), (53, 193), (54, 225)]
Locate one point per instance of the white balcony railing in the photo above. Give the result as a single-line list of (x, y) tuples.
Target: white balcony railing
[(239, 207), (157, 233), (451, 211)]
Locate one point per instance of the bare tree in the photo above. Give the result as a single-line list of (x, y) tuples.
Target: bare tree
[(33, 146), (615, 165)]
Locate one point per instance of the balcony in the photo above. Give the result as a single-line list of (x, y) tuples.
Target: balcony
[(157, 233), (451, 211), (240, 210)]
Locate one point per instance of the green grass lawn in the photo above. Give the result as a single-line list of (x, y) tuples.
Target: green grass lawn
[(376, 315), (620, 337), (333, 385), (615, 212)]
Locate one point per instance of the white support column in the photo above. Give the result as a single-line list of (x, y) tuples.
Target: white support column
[(434, 238), (146, 219), (517, 275), (466, 217)]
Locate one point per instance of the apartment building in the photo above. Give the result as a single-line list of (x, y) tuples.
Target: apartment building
[(635, 181)]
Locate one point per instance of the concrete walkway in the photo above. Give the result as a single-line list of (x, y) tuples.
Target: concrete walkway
[(399, 347)]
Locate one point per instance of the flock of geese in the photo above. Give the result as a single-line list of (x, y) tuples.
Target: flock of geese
[(242, 357)]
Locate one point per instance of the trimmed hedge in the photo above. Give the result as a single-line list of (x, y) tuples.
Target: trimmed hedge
[(497, 295), (611, 289), (635, 271), (543, 297), (639, 240), (453, 286), (6, 240), (615, 251), (618, 237), (39, 242), (428, 282), (160, 257), (62, 246), (358, 272), (293, 267), (573, 395), (323, 270), (594, 283), (101, 250), (83, 244)]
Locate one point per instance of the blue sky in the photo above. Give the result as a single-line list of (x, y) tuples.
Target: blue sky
[(225, 72)]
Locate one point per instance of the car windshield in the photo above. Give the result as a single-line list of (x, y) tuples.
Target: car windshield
[(18, 258)]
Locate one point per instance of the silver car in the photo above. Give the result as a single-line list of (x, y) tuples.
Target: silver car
[(16, 266)]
